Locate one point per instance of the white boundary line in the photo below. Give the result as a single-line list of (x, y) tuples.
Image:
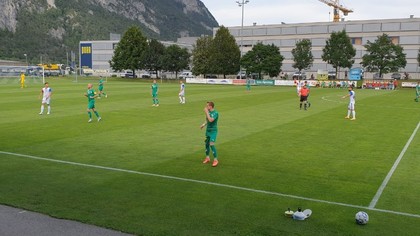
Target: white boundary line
[(393, 168), (210, 183)]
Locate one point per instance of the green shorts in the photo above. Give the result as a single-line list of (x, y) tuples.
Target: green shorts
[(211, 136), (91, 105)]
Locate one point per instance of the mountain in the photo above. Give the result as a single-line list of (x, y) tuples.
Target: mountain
[(52, 28)]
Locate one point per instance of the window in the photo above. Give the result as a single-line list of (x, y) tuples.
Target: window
[(356, 41), (395, 39)]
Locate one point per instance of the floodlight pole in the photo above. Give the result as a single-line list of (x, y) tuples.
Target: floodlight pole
[(26, 57), (242, 4)]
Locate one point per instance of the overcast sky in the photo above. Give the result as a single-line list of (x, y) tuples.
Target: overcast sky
[(263, 12)]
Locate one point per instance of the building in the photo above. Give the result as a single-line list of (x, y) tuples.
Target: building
[(96, 55), (405, 32)]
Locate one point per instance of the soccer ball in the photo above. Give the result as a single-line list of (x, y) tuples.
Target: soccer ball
[(362, 218)]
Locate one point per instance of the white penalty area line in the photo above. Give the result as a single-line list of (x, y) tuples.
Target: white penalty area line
[(209, 183), (393, 168)]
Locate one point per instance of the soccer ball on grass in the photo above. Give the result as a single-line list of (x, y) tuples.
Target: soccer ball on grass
[(362, 218)]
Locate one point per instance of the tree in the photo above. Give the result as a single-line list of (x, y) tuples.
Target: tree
[(225, 54), (153, 54), (338, 51), (175, 59), (128, 53), (263, 59), (383, 56), (201, 56), (302, 55)]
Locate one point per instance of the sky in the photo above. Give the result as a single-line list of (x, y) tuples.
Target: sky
[(265, 12)]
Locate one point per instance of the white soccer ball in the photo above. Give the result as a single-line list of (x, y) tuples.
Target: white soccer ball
[(362, 218)]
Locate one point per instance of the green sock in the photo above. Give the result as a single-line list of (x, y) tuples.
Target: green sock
[(96, 113), (213, 149), (90, 114)]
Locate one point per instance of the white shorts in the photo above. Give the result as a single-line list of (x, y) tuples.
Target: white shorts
[(46, 101), (182, 93)]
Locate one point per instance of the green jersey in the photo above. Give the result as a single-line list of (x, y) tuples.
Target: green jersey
[(155, 88), (91, 95), (212, 126), (101, 84)]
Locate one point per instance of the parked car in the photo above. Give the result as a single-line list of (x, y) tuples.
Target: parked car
[(396, 75), (144, 75), (186, 74), (211, 76), (377, 76), (241, 75), (127, 74), (299, 75), (332, 75)]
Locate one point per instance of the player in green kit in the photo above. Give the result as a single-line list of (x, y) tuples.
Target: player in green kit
[(248, 84), (155, 89), (212, 116), (101, 88), (417, 92), (91, 95)]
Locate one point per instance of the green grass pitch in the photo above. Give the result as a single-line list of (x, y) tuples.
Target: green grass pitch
[(139, 170)]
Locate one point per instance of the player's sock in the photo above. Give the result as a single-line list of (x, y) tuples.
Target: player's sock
[(304, 106), (49, 109), (348, 113), (42, 108), (213, 149), (97, 114), (90, 114), (300, 106), (180, 99), (207, 149), (354, 114), (183, 99)]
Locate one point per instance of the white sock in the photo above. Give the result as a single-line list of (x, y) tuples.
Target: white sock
[(42, 108), (354, 114), (49, 109), (348, 113)]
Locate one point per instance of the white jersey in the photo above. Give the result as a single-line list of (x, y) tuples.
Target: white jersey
[(352, 100), (46, 94), (182, 90), (352, 97)]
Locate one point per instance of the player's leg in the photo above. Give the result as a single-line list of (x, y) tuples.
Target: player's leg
[(96, 113), (42, 108), (207, 145), (300, 103), (213, 148), (353, 112), (348, 111), (49, 108)]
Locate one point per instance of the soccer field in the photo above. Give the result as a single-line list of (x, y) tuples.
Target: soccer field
[(140, 169)]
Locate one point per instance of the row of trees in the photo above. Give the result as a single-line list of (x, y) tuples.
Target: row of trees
[(135, 52), (221, 55)]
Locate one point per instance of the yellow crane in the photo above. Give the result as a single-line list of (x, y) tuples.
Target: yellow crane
[(337, 8)]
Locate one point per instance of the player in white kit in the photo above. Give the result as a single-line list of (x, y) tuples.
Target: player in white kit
[(351, 108), (181, 93), (46, 93)]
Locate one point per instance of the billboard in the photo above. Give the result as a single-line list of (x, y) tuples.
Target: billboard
[(86, 55)]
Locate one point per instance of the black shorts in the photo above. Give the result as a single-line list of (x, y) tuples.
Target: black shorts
[(303, 98)]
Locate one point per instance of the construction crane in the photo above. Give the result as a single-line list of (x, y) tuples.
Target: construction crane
[(337, 8)]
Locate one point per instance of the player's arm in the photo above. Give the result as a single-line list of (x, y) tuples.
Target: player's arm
[(203, 125)]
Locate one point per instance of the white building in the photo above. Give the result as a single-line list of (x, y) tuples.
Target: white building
[(405, 32)]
